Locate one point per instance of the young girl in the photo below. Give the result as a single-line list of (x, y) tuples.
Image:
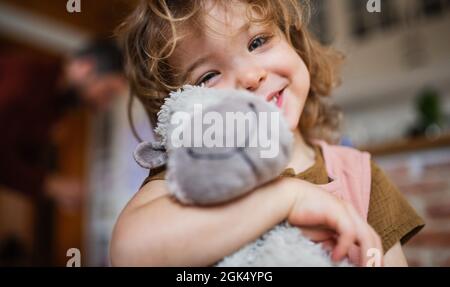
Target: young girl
[(263, 47)]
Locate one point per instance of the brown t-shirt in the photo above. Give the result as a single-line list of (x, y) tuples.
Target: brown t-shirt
[(389, 213)]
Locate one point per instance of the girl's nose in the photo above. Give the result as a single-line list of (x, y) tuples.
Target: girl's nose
[(251, 78)]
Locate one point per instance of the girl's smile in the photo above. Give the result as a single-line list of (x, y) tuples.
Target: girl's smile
[(276, 98)]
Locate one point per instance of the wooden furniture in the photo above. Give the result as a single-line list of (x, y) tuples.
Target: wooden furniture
[(407, 145)]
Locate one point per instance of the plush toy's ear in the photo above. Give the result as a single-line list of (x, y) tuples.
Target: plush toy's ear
[(150, 155)]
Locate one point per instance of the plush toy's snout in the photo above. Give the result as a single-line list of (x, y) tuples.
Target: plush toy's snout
[(237, 164), (244, 143)]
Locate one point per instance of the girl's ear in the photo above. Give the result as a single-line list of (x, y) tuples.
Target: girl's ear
[(150, 155)]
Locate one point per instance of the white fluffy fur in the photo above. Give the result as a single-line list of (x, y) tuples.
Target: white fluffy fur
[(283, 246), (184, 100)]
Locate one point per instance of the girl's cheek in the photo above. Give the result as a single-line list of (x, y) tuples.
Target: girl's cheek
[(223, 83)]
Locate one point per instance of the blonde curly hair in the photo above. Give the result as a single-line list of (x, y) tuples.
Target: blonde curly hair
[(149, 37)]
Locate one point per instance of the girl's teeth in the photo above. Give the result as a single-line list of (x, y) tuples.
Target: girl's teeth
[(274, 100)]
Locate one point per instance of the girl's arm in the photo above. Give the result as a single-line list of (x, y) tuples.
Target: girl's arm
[(162, 232), (155, 230)]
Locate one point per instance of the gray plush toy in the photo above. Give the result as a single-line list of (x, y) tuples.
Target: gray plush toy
[(212, 158)]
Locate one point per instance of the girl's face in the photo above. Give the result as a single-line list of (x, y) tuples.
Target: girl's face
[(234, 53)]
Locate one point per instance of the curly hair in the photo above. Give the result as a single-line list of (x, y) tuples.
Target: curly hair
[(150, 35)]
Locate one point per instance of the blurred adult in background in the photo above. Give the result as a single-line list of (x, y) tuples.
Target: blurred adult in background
[(96, 74), (36, 93)]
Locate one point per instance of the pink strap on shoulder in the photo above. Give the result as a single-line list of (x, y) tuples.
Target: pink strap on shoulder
[(349, 170)]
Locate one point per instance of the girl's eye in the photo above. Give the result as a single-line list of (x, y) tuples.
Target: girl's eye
[(258, 42), (206, 78)]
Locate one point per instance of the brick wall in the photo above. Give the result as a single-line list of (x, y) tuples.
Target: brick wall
[(424, 178)]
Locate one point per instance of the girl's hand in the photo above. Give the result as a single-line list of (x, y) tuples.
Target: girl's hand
[(329, 220)]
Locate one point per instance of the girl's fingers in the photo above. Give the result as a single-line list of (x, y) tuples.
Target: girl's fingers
[(328, 245), (366, 237), (325, 237), (342, 248), (339, 221), (317, 234), (347, 235)]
